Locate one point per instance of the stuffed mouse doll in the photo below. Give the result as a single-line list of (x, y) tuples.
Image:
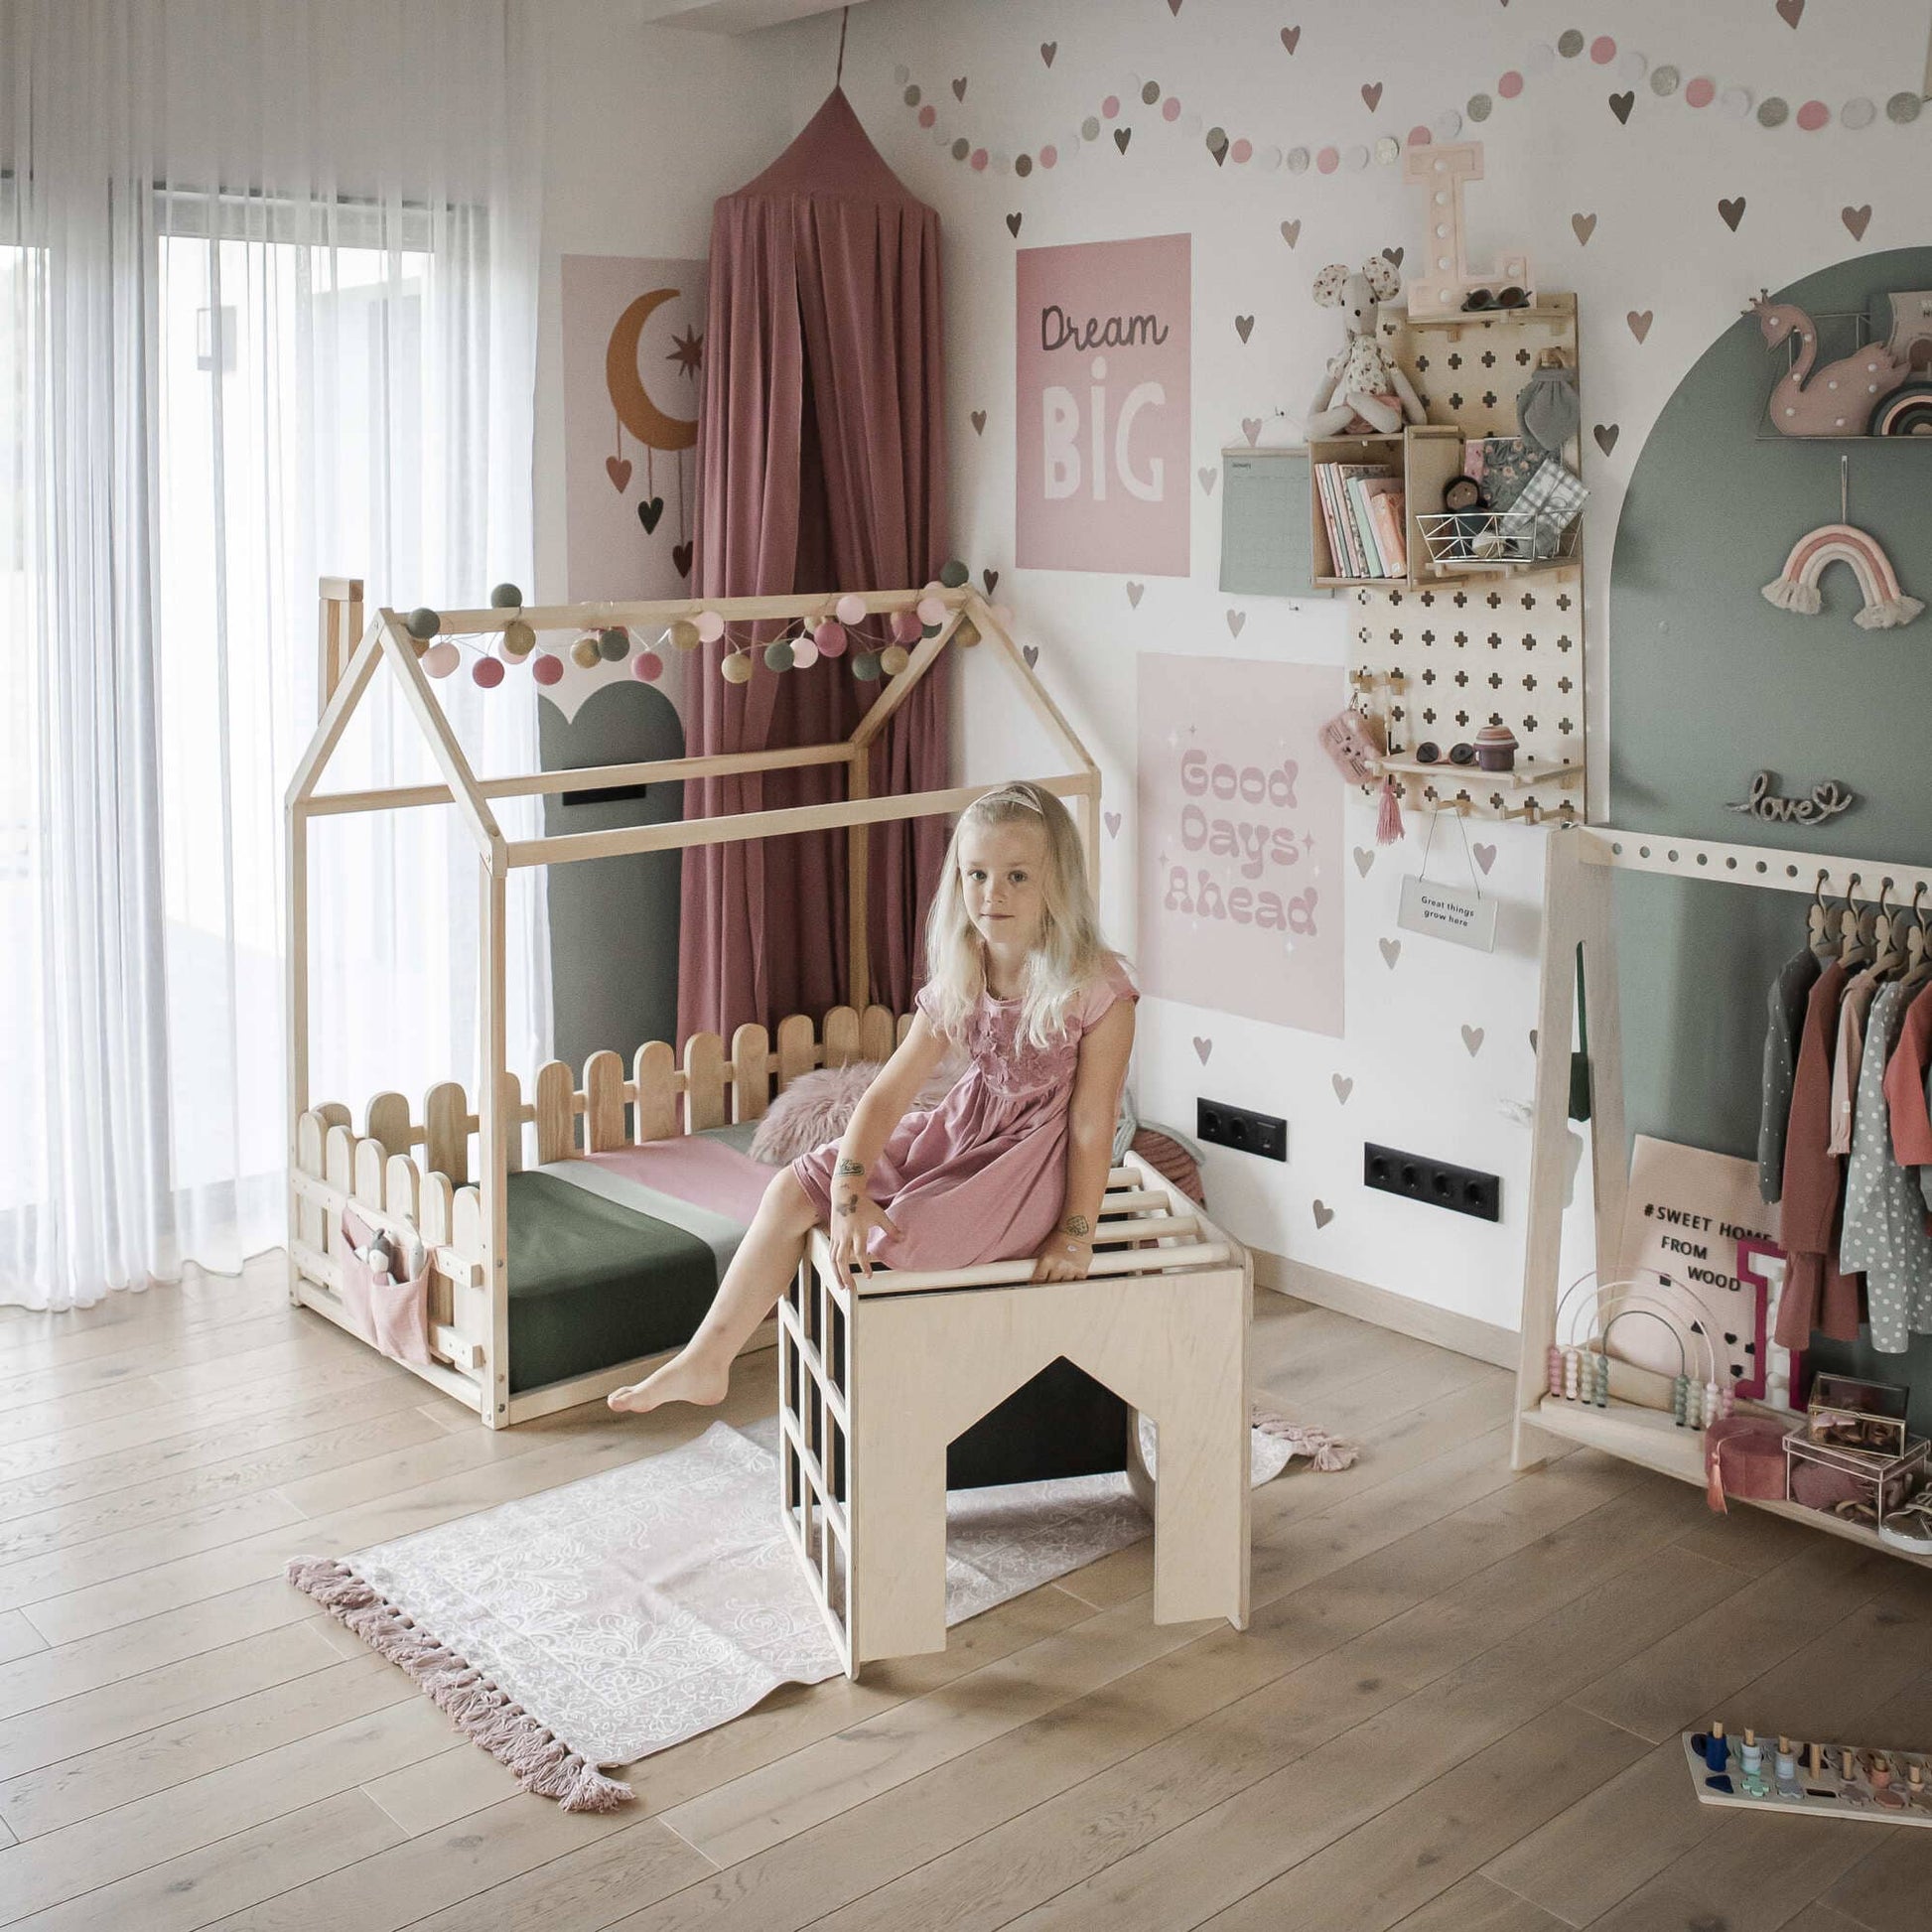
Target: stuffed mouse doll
[(1364, 392)]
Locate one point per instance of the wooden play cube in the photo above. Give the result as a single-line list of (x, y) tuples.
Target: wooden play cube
[(874, 1381)]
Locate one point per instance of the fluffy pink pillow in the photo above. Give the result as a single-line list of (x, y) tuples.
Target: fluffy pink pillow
[(816, 1106)]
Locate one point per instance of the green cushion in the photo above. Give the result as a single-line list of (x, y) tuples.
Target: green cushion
[(593, 1283)]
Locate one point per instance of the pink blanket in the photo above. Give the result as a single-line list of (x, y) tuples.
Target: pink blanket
[(705, 1172)]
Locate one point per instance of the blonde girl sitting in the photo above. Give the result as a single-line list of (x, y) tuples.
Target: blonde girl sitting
[(1014, 1161)]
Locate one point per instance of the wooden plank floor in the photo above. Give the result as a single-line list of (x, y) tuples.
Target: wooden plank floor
[(1456, 1710)]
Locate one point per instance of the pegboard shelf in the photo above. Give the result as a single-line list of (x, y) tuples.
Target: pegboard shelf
[(1556, 311), (1518, 779)]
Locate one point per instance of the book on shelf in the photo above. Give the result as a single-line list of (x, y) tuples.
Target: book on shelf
[(1324, 485), (1388, 516), (1346, 504)]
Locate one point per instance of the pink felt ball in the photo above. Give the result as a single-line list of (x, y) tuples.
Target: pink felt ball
[(907, 627), (1813, 115), (829, 637), (1602, 49), (1510, 86), (711, 627), (489, 672), (1171, 108), (850, 609), (1329, 160), (929, 610), (1701, 92), (441, 660), (547, 667), (648, 667), (805, 653)]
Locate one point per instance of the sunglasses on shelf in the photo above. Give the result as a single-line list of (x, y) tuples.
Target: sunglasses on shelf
[(1477, 300)]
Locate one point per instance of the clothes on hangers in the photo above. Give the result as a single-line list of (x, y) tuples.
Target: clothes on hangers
[(1885, 1213), (1906, 1086), (1817, 1293), (1848, 1054), (1787, 1015)]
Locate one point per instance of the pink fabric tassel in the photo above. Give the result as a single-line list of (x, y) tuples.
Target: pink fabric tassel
[(541, 1762), (1388, 816), (1329, 1453)]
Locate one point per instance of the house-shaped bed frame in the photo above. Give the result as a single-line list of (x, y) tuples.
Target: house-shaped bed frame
[(460, 1209)]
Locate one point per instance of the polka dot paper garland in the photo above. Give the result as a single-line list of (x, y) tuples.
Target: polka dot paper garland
[(1628, 66)]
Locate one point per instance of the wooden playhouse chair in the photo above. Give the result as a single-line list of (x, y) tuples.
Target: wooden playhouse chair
[(876, 1380)]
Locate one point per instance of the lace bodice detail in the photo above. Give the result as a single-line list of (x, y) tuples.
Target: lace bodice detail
[(1013, 1066)]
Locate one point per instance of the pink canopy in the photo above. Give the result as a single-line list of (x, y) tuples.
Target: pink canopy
[(821, 466)]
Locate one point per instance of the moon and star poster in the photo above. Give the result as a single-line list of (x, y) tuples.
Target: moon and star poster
[(634, 369)]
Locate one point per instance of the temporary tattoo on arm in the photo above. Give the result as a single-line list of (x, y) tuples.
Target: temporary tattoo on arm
[(1077, 1225), (846, 1203), (846, 1166)]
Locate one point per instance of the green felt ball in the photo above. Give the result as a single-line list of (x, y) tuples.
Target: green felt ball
[(777, 655), (519, 640), (613, 644), (865, 666), (507, 597), (953, 574), (422, 622), (585, 655)]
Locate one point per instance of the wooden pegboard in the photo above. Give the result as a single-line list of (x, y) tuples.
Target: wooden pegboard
[(1440, 662)]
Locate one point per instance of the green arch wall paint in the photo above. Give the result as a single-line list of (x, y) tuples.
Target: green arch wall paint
[(1708, 683)]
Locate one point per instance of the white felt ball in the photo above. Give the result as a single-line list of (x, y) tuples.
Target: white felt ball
[(441, 660), (804, 655), (850, 609), (736, 668), (711, 627), (931, 610)]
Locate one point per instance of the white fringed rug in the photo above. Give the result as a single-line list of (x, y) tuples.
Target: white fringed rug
[(593, 1625)]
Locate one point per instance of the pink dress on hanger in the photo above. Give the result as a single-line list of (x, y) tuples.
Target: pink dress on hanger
[(982, 1176)]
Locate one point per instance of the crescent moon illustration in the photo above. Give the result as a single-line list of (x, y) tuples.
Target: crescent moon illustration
[(636, 410)]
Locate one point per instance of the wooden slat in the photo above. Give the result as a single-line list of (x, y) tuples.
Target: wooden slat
[(604, 1103), (388, 1121), (446, 1132), (339, 1170), (467, 1223), (704, 1082), (643, 615), (750, 1072), (556, 1121), (402, 1189), (308, 1130), (841, 1034), (370, 1160), (512, 1113), (875, 1033), (880, 713), (798, 1047), (655, 1072)]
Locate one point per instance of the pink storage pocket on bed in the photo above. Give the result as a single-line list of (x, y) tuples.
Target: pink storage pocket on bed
[(388, 1311)]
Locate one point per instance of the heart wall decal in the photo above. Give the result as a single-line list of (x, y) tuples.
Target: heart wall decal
[(1372, 95), (959, 88), (1364, 857), (1202, 1048), (991, 579), (1251, 429), (979, 422), (1135, 592), (681, 558), (1585, 226), (1620, 106), (1123, 135), (1342, 1085), (1047, 49), (617, 468), (1607, 435), (1791, 11), (1857, 219), (1391, 952), (1733, 213), (1031, 652), (1485, 855), (1237, 622), (1112, 824), (1013, 226), (649, 512), (1639, 321), (1207, 476), (1323, 1215), (1472, 1040), (1291, 38), (1244, 327), (1292, 233)]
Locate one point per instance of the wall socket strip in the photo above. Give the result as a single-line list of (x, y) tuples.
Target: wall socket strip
[(1437, 1184), (1247, 1133)]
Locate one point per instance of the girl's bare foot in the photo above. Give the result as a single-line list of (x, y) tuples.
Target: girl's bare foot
[(684, 1378)]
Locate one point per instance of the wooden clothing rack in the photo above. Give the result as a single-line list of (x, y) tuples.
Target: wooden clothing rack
[(1577, 892), (460, 1206)]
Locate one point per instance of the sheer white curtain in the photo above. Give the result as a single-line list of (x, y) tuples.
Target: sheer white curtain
[(268, 293)]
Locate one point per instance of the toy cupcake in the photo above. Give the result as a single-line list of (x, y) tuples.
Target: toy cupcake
[(1496, 748)]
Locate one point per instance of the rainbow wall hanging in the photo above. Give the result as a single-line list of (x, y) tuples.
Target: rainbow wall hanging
[(1886, 607)]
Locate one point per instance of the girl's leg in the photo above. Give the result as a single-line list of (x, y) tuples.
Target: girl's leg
[(763, 1263)]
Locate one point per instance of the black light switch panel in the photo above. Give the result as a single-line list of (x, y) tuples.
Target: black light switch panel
[(1247, 1133)]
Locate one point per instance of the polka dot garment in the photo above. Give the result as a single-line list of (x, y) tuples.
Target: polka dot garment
[(1885, 1212)]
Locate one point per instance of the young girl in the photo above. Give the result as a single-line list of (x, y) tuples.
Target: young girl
[(1014, 1161)]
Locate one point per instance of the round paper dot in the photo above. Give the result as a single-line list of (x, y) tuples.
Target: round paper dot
[(1171, 108), (1446, 126), (1510, 86), (1602, 49), (1110, 107), (1023, 165), (1813, 115), (977, 160), (1570, 43), (1295, 161), (1479, 106), (1858, 113), (1270, 158), (1150, 93), (1701, 92), (1419, 136), (1001, 162), (1735, 103), (1665, 81), (927, 115), (1048, 155), (1327, 161), (911, 97), (1356, 159), (1773, 111), (961, 149), (1090, 128), (1633, 66), (1541, 59), (1902, 108), (1242, 152), (1388, 149)]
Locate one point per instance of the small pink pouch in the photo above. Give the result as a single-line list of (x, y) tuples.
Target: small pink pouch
[(391, 1314), (356, 1284), (1743, 1456)]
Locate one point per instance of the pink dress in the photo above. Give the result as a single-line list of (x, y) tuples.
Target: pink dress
[(982, 1176)]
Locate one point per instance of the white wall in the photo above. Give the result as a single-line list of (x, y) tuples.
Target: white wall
[(1558, 151)]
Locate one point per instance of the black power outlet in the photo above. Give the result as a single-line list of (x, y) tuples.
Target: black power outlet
[(1440, 1183), (1235, 1127)]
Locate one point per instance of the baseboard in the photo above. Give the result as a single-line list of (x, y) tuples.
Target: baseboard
[(1464, 1333)]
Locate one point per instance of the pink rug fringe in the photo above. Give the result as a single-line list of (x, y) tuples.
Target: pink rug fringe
[(541, 1762), (1327, 1453)]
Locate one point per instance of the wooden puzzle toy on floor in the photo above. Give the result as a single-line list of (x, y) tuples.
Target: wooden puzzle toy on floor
[(1886, 1788)]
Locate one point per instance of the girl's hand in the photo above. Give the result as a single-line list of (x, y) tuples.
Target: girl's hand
[(1063, 1257), (854, 1216)]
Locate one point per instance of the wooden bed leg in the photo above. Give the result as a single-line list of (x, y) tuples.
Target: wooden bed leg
[(492, 1147)]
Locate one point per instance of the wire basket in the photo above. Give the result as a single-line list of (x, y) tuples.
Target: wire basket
[(1485, 539)]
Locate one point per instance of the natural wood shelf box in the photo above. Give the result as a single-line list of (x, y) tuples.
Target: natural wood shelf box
[(1469, 775)]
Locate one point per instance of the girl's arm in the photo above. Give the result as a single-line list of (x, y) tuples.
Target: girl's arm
[(1104, 1051), (881, 1109)]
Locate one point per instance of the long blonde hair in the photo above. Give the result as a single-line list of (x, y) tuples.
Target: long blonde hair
[(1068, 953)]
